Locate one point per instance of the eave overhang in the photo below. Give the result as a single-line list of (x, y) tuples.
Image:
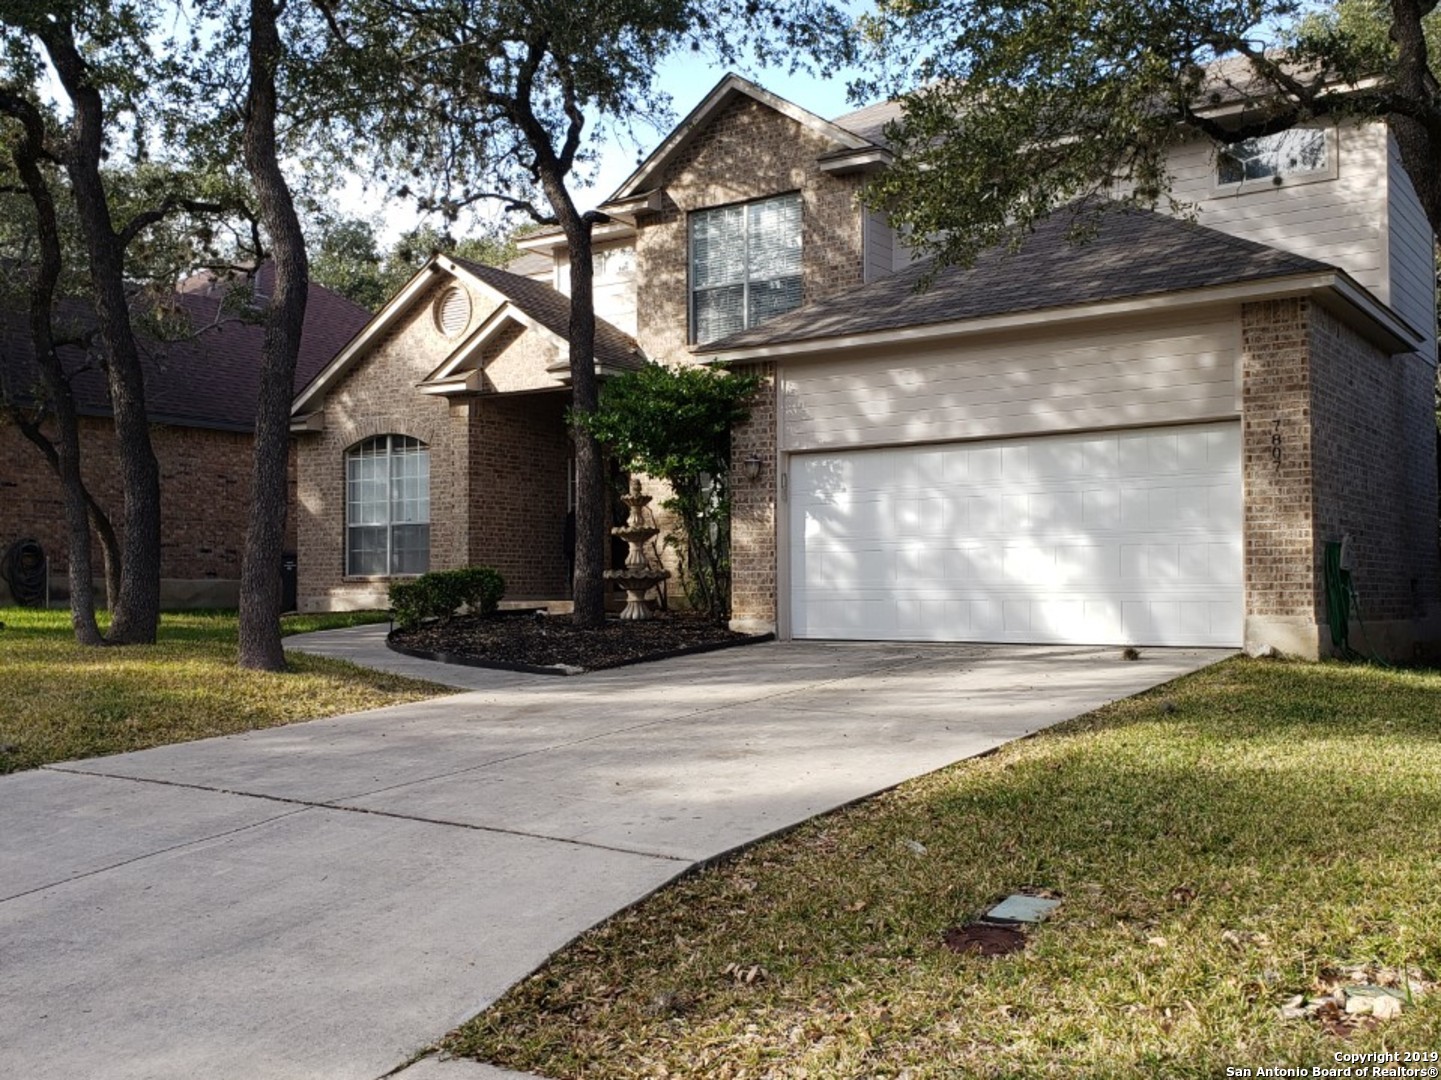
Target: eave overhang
[(1334, 290)]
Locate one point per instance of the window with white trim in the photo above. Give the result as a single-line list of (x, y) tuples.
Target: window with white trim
[(387, 507), (1302, 151), (745, 265)]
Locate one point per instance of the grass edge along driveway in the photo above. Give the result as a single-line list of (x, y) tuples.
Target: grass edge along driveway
[(63, 701), (1221, 844)]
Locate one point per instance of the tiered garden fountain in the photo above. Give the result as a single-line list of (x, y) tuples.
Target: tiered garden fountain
[(637, 578)]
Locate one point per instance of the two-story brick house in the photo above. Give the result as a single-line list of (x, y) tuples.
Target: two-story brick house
[(1149, 438)]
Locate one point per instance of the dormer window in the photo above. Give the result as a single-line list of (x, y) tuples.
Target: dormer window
[(745, 265), (1304, 153)]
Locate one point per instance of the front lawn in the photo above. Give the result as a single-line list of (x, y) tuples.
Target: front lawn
[(1241, 836), (60, 701)]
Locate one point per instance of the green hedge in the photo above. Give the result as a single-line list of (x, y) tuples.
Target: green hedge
[(441, 593)]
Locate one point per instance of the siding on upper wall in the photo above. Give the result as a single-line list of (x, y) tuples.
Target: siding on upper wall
[(615, 299), (1148, 371), (1341, 221), (902, 254), (879, 245), (1338, 221), (1412, 251)]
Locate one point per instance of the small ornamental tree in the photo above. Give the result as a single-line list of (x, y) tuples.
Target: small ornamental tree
[(674, 423)]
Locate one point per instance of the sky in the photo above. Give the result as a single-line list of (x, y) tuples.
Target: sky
[(686, 78)]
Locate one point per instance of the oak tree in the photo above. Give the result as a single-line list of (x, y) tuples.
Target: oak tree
[(1014, 108), (465, 102)]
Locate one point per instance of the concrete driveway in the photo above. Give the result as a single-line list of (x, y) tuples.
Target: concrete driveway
[(322, 900)]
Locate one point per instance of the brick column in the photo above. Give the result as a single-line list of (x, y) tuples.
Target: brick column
[(1277, 458), (753, 512)]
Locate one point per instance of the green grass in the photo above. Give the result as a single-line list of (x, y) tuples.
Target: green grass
[(1300, 803), (59, 701)]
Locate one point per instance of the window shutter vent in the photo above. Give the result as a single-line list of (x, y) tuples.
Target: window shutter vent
[(452, 311)]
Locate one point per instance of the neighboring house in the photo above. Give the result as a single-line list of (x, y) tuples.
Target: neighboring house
[(1147, 439), (200, 395)]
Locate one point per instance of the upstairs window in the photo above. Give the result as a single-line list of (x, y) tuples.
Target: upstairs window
[(1300, 152), (387, 507), (745, 265)]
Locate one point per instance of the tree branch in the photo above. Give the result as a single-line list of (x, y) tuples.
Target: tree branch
[(524, 206), (146, 218)]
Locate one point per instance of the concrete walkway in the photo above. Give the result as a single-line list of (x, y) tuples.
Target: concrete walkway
[(322, 900)]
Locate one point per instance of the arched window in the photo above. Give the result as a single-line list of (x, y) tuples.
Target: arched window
[(387, 507)]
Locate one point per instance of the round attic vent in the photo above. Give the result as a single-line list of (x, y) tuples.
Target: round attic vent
[(452, 311)]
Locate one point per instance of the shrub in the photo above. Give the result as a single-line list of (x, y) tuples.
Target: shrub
[(441, 593), (674, 423)]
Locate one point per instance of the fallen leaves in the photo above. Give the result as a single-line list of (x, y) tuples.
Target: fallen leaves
[(1355, 998), (746, 974)]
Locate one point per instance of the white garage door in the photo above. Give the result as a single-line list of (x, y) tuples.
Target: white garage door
[(1124, 537)]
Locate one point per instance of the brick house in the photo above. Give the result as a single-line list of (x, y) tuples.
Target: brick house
[(1150, 438), (200, 395)]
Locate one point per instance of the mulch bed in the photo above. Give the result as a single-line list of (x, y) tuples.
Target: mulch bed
[(528, 641)]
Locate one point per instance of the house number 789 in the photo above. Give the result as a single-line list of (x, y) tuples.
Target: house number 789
[(1276, 444)]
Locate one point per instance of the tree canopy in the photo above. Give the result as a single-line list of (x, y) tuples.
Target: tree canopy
[(346, 256), (1014, 107)]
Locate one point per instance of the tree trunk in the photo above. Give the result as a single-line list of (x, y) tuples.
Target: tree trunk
[(588, 586), (1417, 141), (99, 519), (260, 579), (136, 615), (591, 501), (66, 448), (109, 549)]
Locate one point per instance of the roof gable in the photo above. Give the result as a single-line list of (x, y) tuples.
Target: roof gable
[(730, 87), (534, 304), (390, 314)]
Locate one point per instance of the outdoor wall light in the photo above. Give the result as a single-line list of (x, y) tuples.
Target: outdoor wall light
[(753, 466)]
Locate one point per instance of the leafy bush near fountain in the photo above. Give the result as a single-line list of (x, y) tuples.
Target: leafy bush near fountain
[(675, 424), (441, 593)]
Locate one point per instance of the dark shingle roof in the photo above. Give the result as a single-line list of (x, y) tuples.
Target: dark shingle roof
[(869, 123), (210, 380), (551, 308), (1133, 253), (529, 263)]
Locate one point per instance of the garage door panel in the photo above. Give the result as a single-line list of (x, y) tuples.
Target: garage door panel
[(1065, 563), (1047, 619), (1130, 536)]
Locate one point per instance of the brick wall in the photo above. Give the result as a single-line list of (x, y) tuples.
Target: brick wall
[(518, 359), (378, 397), (748, 151), (753, 511), (520, 449), (1338, 438), (1276, 461), (204, 493), (1375, 461)]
